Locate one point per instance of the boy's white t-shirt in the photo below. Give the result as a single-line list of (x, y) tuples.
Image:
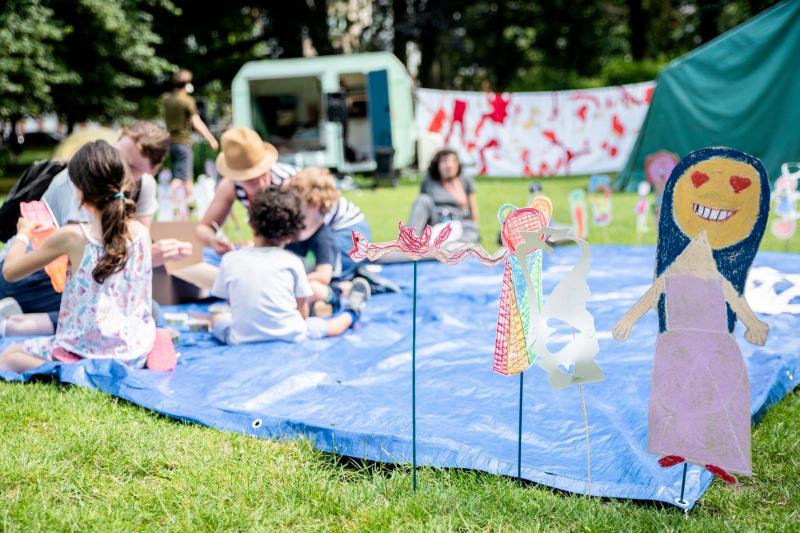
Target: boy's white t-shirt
[(262, 285)]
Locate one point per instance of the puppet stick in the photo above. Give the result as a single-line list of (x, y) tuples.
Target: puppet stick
[(586, 429), (414, 382), (519, 434), (683, 485)]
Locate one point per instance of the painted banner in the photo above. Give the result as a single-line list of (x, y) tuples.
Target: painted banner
[(538, 133)]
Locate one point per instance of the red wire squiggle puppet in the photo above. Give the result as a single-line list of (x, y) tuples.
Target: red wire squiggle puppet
[(419, 246)]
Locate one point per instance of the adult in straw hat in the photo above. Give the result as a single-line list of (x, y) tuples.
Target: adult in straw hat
[(244, 164)]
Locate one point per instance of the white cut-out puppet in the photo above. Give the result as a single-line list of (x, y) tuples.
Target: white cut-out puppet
[(574, 363), (784, 198), (763, 297), (642, 208)]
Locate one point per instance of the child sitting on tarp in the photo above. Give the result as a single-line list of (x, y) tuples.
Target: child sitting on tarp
[(106, 304), (267, 286), (332, 267)]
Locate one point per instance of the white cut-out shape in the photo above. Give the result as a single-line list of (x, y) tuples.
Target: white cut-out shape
[(203, 194), (784, 198), (642, 208), (165, 176), (166, 208), (456, 231), (179, 201), (210, 169), (761, 293), (566, 303)]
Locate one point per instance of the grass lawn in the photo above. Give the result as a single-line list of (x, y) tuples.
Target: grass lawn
[(78, 459)]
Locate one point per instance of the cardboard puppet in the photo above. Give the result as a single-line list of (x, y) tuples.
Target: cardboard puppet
[(785, 198), (577, 211), (713, 216), (574, 363), (642, 208), (600, 199), (657, 169), (521, 294)]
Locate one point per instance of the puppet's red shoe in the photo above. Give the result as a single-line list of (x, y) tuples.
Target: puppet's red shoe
[(670, 460), (722, 474)]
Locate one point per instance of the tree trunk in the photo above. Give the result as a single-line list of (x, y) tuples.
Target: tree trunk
[(637, 24), (710, 12), (428, 43), (400, 28), (318, 28), (501, 56)]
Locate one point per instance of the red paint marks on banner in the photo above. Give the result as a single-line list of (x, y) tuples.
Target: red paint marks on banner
[(588, 97), (617, 126), (628, 99), (610, 149), (489, 145), (498, 113), (526, 162), (459, 110), (438, 121)]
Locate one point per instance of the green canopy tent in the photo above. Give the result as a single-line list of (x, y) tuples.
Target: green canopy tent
[(740, 90)]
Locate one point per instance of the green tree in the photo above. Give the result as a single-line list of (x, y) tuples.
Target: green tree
[(110, 46), (28, 71), (212, 43)]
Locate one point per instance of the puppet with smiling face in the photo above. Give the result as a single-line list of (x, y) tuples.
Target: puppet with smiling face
[(713, 216)]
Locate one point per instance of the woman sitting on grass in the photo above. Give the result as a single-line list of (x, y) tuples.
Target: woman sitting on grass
[(446, 196), (267, 286), (106, 308)]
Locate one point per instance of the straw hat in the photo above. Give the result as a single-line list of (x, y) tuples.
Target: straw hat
[(244, 155)]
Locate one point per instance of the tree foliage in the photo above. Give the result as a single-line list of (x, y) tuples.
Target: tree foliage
[(105, 59), (110, 45), (28, 71)]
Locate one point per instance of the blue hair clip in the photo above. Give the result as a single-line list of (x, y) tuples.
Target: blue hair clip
[(119, 196)]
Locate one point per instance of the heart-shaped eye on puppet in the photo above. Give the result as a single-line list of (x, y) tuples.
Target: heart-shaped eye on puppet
[(739, 183), (699, 178)]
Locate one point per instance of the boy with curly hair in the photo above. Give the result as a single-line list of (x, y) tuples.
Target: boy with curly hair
[(267, 286), (333, 270)]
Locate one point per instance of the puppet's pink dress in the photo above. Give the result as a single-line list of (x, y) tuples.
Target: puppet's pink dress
[(700, 397)]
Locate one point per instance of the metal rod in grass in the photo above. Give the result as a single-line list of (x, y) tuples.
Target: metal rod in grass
[(586, 431), (416, 247), (519, 432), (681, 501), (414, 382)]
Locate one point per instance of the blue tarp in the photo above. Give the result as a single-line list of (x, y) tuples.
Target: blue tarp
[(352, 394)]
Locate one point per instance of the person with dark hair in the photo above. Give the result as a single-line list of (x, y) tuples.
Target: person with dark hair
[(180, 116), (267, 286), (142, 146), (106, 308), (446, 196)]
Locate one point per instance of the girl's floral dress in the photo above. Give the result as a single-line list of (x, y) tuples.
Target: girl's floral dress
[(109, 320)]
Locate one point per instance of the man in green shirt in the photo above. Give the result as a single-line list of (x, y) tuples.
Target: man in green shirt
[(180, 115)]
